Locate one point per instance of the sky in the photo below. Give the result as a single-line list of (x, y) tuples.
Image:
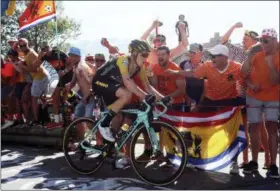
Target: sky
[(122, 21)]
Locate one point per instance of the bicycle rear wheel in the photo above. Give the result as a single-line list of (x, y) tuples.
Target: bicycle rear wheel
[(80, 160), (169, 162)]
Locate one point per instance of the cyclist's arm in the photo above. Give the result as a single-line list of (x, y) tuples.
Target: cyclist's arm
[(132, 87), (147, 86), (122, 63)]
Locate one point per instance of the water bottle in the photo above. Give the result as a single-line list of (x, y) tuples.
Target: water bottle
[(123, 130)]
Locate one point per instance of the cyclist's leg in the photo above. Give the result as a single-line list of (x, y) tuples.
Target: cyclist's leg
[(123, 97)]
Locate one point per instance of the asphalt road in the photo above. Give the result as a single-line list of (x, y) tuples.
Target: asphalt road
[(26, 168)]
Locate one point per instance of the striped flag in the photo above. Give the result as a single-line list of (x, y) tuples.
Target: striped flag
[(37, 12), (216, 138)]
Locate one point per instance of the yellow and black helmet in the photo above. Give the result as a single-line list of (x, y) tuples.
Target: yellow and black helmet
[(139, 46)]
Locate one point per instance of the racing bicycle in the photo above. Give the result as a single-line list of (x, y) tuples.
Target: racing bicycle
[(91, 154)]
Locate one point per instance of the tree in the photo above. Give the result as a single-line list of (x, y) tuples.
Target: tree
[(67, 28)]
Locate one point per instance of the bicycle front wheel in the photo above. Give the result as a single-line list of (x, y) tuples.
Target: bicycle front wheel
[(79, 159), (166, 164)]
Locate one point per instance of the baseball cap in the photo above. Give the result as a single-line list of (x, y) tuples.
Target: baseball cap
[(196, 48), (219, 50), (44, 44), (12, 40), (23, 40), (269, 32), (75, 51)]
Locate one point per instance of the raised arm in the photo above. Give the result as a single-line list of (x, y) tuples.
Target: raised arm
[(227, 35), (155, 24), (177, 51), (112, 49)]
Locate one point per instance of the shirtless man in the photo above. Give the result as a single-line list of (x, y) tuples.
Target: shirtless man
[(161, 40), (82, 76)]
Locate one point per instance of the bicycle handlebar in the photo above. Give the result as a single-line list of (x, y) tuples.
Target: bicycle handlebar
[(157, 115)]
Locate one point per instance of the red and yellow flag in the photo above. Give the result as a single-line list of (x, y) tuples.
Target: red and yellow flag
[(37, 12)]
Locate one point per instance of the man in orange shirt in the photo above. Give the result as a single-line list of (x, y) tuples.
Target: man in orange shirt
[(263, 96), (168, 84), (222, 76)]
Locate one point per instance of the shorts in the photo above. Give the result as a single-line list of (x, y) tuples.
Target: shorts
[(85, 110), (256, 108), (19, 89), (65, 79), (6, 91), (106, 88), (40, 87)]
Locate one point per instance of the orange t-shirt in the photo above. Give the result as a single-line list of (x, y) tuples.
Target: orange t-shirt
[(9, 73), (166, 83), (219, 84), (260, 75)]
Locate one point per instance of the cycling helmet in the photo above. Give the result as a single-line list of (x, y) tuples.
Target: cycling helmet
[(139, 46)]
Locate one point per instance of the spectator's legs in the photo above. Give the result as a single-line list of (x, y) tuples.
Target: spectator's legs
[(271, 112), (26, 101), (56, 104), (245, 152), (38, 88), (264, 144), (254, 113)]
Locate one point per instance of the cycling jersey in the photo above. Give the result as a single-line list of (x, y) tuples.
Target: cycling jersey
[(108, 78)]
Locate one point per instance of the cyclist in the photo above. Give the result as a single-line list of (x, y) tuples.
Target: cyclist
[(114, 82)]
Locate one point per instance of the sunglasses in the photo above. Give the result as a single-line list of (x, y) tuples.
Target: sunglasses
[(214, 56), (159, 40), (99, 60), (252, 34), (89, 59), (145, 54), (22, 46), (264, 41)]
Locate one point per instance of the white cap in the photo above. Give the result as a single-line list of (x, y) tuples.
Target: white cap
[(269, 32), (219, 50)]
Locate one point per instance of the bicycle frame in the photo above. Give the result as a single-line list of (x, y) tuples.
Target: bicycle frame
[(142, 117)]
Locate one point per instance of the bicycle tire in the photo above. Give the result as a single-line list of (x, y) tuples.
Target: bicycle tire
[(65, 147), (183, 159)]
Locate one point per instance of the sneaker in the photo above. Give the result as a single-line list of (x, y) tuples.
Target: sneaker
[(8, 123), (252, 166), (273, 171), (106, 133), (122, 162), (234, 169), (145, 157)]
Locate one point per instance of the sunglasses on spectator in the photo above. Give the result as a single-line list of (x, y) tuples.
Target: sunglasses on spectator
[(214, 56), (22, 46), (159, 40), (44, 48), (264, 41), (145, 54), (252, 34), (99, 60)]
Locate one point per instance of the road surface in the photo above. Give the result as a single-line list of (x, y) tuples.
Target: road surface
[(26, 168)]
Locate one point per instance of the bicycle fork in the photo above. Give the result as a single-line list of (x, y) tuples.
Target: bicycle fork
[(153, 138)]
